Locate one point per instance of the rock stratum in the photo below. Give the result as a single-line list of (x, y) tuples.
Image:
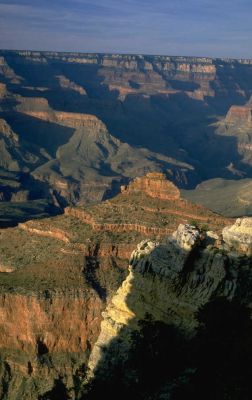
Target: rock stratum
[(86, 124)]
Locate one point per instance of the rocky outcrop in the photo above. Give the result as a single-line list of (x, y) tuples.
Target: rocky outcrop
[(73, 120), (168, 282), (175, 304), (238, 237), (65, 83), (6, 130), (149, 205), (8, 72), (154, 185), (54, 233), (239, 115)]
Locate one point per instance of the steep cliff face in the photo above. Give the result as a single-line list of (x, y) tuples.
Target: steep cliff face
[(8, 72), (45, 339), (238, 124), (239, 115), (49, 312), (151, 287), (168, 285)]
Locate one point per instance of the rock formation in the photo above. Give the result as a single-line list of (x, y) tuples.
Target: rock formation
[(239, 236), (150, 205), (168, 283), (65, 83), (150, 288), (154, 185), (239, 115), (60, 273)]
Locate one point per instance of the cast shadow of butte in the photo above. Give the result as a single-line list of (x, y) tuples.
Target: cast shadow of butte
[(187, 338)]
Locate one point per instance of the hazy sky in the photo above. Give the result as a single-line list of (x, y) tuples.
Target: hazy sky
[(178, 27)]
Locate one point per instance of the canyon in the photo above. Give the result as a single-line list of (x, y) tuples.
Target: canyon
[(86, 124), (120, 177), (58, 275)]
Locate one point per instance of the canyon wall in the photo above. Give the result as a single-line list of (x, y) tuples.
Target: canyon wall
[(168, 285)]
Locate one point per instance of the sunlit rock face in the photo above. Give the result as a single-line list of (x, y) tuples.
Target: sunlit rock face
[(154, 184), (168, 282), (239, 235), (239, 115)]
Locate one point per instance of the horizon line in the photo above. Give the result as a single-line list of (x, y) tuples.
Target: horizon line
[(125, 54)]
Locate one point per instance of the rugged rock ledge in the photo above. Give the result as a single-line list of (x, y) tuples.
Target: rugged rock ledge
[(170, 283), (239, 115), (239, 236), (45, 338), (154, 185)]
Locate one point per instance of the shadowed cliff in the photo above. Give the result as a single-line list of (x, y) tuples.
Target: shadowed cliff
[(178, 327)]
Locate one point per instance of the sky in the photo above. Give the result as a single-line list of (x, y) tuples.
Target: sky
[(214, 28)]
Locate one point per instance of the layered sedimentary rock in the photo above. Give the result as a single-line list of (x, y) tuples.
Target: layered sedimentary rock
[(154, 185), (86, 151), (150, 205), (123, 116), (239, 115), (61, 272), (238, 124)]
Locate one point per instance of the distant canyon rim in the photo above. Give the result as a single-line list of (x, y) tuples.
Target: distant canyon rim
[(75, 127)]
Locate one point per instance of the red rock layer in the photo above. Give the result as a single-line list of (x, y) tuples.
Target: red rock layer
[(54, 233), (74, 120), (119, 227), (239, 114), (155, 185), (61, 323)]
